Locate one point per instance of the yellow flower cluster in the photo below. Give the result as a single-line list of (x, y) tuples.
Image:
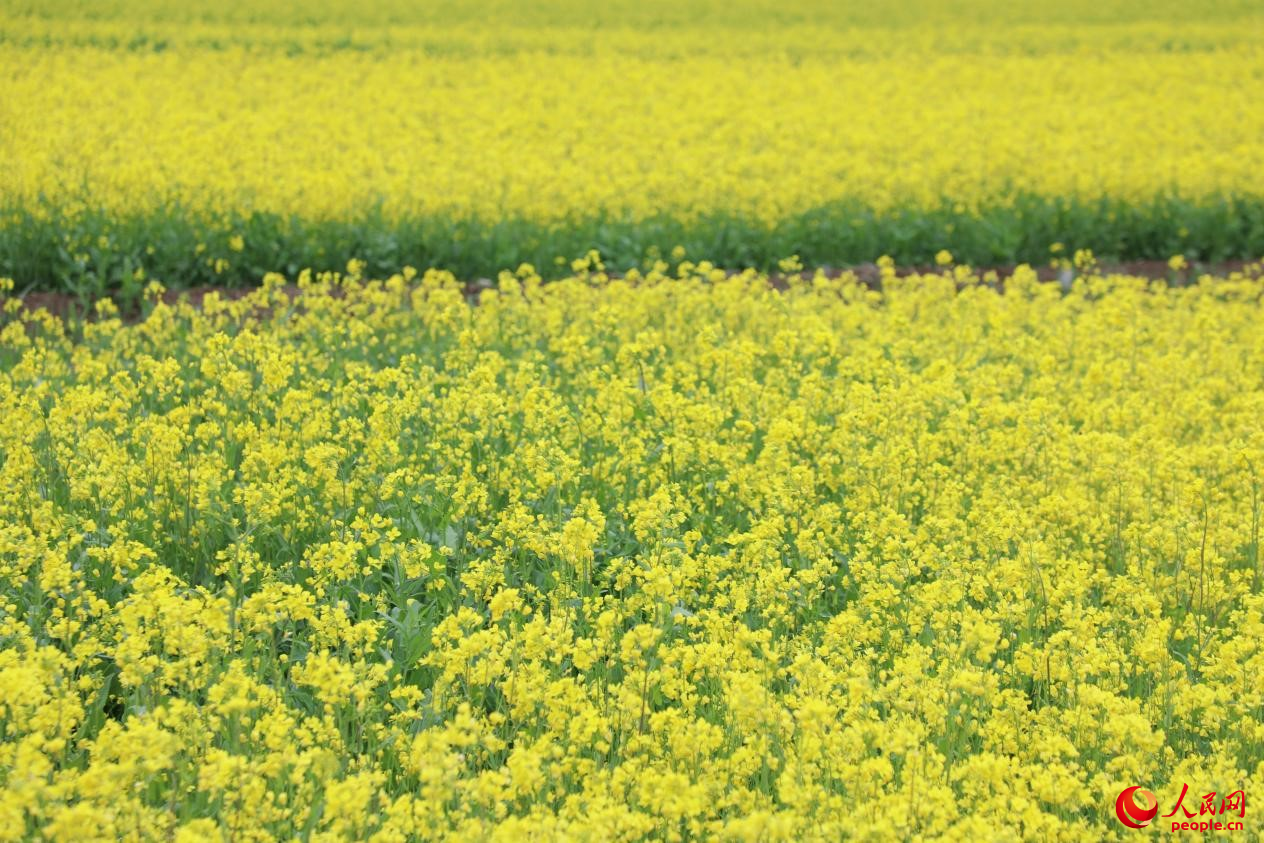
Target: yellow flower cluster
[(762, 111), (639, 557)]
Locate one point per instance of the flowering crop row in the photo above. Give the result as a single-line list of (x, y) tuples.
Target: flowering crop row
[(143, 139), (647, 557)]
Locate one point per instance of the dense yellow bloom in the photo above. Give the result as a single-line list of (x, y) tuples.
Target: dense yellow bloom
[(761, 110), (665, 557)]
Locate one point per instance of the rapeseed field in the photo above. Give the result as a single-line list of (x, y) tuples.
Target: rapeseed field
[(549, 420), (209, 144), (656, 557)]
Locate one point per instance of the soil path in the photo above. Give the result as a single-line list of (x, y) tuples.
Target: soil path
[(66, 304)]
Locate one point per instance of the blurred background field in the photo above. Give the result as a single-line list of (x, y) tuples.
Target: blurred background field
[(208, 144)]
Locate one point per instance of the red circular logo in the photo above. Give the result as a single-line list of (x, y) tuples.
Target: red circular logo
[(1136, 807)]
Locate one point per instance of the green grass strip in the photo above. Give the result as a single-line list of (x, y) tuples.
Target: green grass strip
[(93, 253)]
